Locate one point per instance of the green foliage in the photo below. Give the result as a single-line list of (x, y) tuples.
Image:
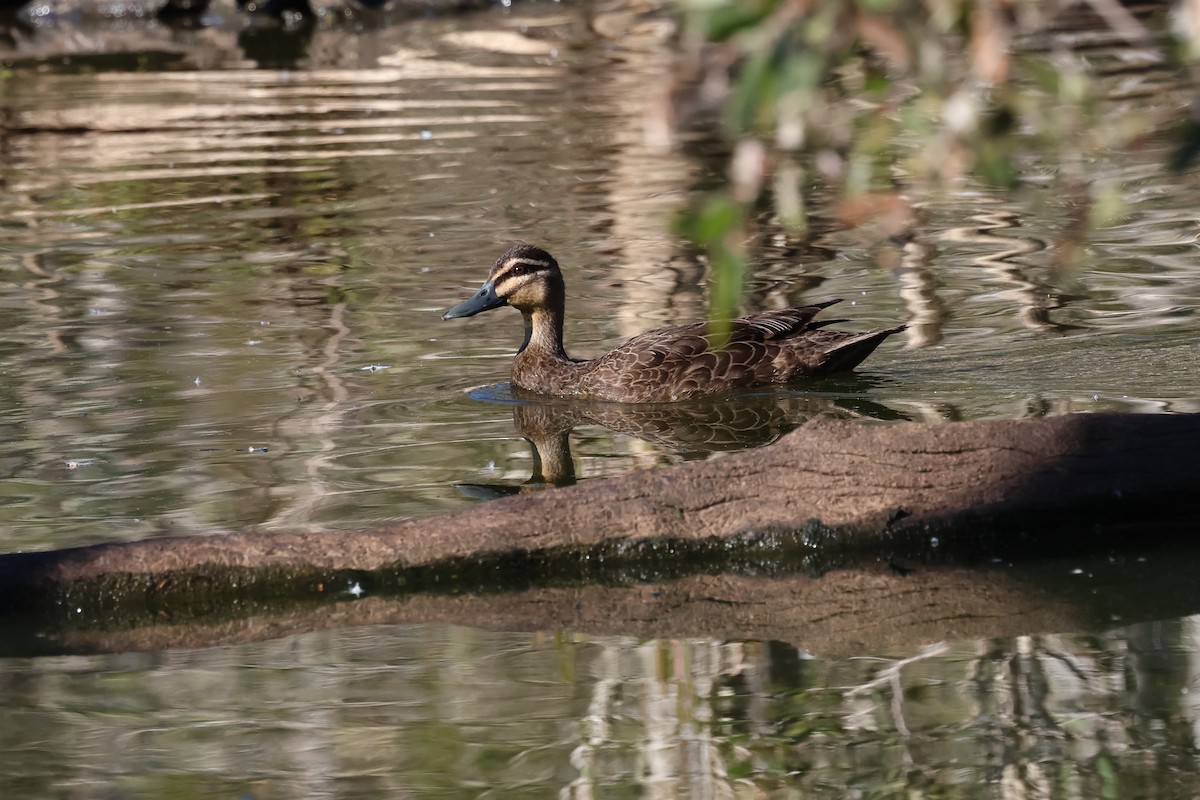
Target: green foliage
[(722, 20), (716, 226), (882, 97)]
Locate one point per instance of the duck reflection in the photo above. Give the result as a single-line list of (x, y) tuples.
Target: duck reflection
[(690, 430)]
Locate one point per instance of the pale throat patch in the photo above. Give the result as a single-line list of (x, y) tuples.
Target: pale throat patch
[(542, 334)]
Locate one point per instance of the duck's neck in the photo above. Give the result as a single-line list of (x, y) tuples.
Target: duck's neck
[(543, 333)]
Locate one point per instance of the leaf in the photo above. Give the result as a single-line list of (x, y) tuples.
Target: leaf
[(724, 21), (728, 267), (718, 227)]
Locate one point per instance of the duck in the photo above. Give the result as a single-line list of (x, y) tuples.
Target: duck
[(665, 365)]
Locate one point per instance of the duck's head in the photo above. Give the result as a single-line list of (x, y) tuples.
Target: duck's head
[(524, 277)]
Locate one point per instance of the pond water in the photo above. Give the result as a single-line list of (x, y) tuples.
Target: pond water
[(225, 253), (456, 712)]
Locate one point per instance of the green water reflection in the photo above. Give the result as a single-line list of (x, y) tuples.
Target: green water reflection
[(431, 711)]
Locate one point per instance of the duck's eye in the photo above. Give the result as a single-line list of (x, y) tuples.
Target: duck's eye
[(518, 269)]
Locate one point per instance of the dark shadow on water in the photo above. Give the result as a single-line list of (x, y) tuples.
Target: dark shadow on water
[(12, 25), (272, 45)]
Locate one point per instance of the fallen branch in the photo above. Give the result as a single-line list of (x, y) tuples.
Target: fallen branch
[(830, 499)]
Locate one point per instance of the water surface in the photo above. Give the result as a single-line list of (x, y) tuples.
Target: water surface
[(420, 711), (224, 282), (223, 268)]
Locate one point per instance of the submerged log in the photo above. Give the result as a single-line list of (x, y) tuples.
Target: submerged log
[(841, 504)]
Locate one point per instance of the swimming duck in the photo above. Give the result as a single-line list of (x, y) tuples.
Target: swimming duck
[(670, 364)]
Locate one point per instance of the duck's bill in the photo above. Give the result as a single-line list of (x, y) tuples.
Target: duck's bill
[(482, 300)]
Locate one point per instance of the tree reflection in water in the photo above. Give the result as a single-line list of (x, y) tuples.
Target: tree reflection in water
[(425, 710)]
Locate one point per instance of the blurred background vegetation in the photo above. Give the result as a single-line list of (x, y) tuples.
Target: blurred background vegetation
[(869, 103)]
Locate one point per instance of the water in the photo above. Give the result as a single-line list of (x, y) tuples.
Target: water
[(222, 288), (422, 711), (225, 289), (224, 283)]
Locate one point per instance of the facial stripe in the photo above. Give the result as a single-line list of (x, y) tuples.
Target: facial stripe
[(528, 262), (505, 273)]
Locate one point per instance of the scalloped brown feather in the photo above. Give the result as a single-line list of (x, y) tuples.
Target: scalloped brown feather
[(671, 363)]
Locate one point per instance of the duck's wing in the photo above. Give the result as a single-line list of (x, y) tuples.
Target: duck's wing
[(686, 341), (689, 361), (826, 352), (779, 324)]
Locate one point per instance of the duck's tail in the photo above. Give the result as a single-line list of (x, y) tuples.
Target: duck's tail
[(848, 353)]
